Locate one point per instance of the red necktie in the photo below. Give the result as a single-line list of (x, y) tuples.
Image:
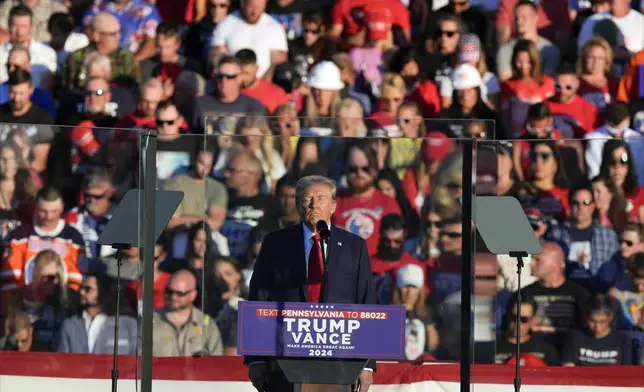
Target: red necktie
[(316, 270)]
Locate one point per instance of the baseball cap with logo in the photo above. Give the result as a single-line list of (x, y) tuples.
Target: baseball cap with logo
[(410, 275), (378, 22)]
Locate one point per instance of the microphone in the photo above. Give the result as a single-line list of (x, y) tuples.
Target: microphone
[(323, 230)]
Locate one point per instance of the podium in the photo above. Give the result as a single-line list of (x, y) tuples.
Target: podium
[(320, 347), (318, 375)]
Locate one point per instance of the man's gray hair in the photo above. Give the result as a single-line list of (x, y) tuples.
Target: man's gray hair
[(305, 182)]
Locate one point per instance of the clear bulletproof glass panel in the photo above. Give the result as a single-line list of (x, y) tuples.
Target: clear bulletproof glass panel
[(59, 185), (251, 192), (582, 198)]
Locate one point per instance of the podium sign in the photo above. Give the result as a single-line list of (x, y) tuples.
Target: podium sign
[(303, 330)]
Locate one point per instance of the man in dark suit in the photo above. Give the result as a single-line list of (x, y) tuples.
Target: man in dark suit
[(289, 268)]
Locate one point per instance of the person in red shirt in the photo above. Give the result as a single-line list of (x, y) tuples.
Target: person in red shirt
[(527, 86), (594, 67), (269, 94), (416, 182), (539, 126), (390, 256), (134, 289), (348, 17), (573, 115), (361, 207)]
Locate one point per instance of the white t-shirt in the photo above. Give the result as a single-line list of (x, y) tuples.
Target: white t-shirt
[(489, 86), (631, 29), (262, 37)]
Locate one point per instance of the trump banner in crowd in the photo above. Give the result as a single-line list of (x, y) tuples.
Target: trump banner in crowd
[(321, 330)]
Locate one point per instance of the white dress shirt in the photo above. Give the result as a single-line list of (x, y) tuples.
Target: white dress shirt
[(93, 328)]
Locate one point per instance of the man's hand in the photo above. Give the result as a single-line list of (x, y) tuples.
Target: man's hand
[(258, 375), (364, 381)]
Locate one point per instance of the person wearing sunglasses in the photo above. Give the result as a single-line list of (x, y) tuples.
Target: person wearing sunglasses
[(611, 274), (617, 126), (180, 329), (547, 180), (573, 115), (269, 94), (91, 330), (91, 217), (619, 165), (46, 298), (310, 42), (361, 207), (586, 242), (534, 348), (199, 33), (223, 108)]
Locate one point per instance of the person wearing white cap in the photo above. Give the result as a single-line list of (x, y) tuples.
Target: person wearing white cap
[(421, 336), (320, 106), (467, 100)]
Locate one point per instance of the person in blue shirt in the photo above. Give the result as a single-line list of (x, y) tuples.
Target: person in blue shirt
[(613, 274), (19, 58)]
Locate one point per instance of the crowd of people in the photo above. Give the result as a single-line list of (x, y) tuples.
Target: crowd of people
[(249, 96)]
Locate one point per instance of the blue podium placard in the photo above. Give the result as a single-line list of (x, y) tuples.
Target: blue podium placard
[(293, 329)]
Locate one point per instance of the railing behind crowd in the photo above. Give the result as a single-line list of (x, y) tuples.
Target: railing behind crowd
[(399, 187)]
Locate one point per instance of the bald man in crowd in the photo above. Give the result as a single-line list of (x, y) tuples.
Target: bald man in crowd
[(180, 329), (104, 34), (560, 302)]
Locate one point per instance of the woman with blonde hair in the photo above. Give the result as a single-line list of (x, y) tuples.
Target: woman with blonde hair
[(320, 106), (257, 138), (392, 94), (350, 119), (405, 151), (528, 85), (47, 299), (286, 127), (596, 83)]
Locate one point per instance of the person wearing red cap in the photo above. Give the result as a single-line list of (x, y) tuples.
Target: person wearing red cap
[(535, 351), (417, 179)]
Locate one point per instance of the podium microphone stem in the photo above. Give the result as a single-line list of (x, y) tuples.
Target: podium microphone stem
[(517, 374), (115, 365)]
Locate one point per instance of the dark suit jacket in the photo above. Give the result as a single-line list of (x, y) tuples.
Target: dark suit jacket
[(280, 271)]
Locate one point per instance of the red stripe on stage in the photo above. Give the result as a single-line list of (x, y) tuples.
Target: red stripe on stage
[(232, 369)]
